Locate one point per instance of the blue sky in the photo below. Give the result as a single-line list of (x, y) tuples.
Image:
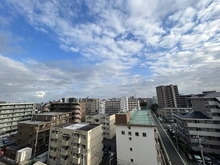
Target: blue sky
[(65, 48)]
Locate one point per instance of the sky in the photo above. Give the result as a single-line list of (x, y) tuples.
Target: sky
[(107, 48)]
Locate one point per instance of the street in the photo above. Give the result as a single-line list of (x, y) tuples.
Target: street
[(174, 157)]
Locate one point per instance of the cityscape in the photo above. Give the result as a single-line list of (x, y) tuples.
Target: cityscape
[(117, 82)]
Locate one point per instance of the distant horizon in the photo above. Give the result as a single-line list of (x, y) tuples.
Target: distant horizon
[(53, 49)]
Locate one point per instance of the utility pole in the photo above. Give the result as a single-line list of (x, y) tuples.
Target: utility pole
[(200, 140), (110, 157)]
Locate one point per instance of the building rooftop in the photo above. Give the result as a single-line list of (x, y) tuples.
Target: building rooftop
[(50, 113), (208, 95), (192, 115), (141, 117), (32, 122), (77, 126)]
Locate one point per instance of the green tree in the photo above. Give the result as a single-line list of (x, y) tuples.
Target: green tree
[(154, 107)]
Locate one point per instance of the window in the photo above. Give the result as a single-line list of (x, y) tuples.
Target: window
[(132, 160), (129, 127), (130, 138), (122, 132), (136, 134), (129, 133), (144, 134), (130, 149)]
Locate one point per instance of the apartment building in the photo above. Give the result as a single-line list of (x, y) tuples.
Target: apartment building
[(193, 124), (167, 95), (35, 133), (112, 106), (124, 104), (91, 105), (184, 100), (137, 138), (101, 107), (75, 144), (74, 108), (208, 104), (11, 114), (133, 103), (169, 112), (107, 122)]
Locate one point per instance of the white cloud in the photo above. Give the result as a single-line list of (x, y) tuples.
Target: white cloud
[(40, 94), (174, 42)]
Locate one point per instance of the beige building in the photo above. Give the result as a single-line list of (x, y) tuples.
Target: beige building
[(112, 106), (35, 133), (75, 144), (107, 121), (11, 114)]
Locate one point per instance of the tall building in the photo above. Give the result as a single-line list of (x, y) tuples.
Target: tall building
[(35, 133), (75, 144), (107, 121), (124, 104), (112, 106), (101, 107), (167, 95), (74, 108), (137, 138), (11, 114)]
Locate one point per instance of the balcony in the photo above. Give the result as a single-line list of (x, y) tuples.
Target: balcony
[(53, 144), (64, 152), (76, 160), (77, 140), (63, 162), (159, 159), (155, 135), (53, 153), (65, 143), (76, 150), (83, 141), (157, 145), (54, 136)]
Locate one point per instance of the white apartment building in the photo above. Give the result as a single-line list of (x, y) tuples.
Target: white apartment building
[(169, 112), (124, 104), (11, 114), (101, 107), (107, 122), (137, 138), (75, 144)]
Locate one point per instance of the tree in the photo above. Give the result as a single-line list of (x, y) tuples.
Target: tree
[(154, 107)]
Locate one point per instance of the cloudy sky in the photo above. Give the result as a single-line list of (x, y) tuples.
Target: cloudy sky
[(98, 48)]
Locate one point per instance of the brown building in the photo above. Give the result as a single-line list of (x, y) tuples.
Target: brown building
[(74, 108), (35, 133), (167, 95)]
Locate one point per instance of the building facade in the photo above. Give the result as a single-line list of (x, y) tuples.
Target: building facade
[(195, 124), (133, 103), (169, 112), (107, 122), (101, 107), (124, 104), (75, 144), (137, 138), (74, 108), (209, 104), (112, 106), (35, 133), (167, 95), (11, 114)]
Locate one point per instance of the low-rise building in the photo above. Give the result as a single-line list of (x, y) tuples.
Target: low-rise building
[(75, 144), (35, 133), (107, 121), (169, 112), (195, 125), (137, 138), (11, 114)]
